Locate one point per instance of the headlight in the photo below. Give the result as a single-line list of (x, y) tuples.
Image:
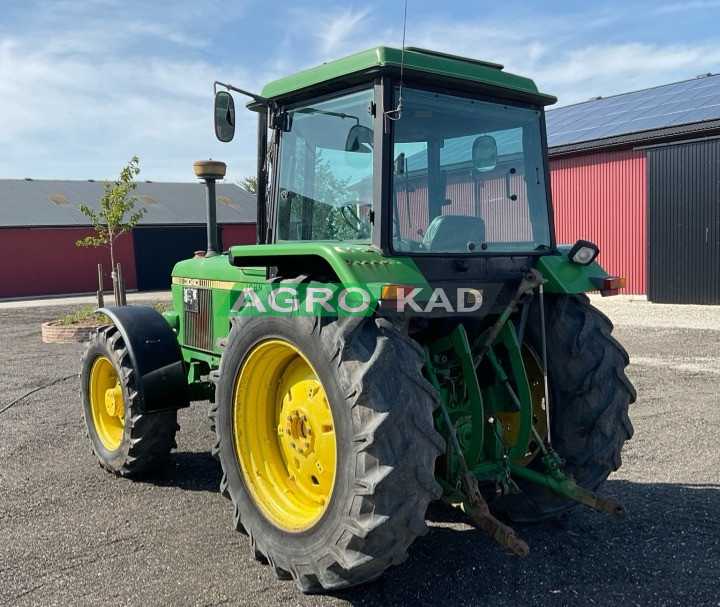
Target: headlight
[(583, 253)]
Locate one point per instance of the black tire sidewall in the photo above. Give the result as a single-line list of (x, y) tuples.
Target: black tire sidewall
[(100, 347), (569, 438)]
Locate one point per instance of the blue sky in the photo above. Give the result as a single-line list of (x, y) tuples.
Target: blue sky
[(87, 84)]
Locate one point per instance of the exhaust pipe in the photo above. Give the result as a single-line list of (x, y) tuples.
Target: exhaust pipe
[(210, 171)]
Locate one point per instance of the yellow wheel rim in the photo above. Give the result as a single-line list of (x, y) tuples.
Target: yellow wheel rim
[(511, 420), (284, 435), (106, 403)]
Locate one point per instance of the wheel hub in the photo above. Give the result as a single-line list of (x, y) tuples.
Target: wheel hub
[(303, 417), (298, 433), (114, 402)]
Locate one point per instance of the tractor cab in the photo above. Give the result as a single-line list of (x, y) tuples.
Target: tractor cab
[(435, 159)]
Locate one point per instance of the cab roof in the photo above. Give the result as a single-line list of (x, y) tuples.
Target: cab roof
[(422, 63)]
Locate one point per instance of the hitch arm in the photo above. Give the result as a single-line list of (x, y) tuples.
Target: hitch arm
[(568, 488), (530, 280), (472, 504), (502, 534)]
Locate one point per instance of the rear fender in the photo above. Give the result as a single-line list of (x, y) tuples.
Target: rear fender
[(564, 276)]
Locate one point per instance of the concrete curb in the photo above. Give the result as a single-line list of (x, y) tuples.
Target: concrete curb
[(82, 299)]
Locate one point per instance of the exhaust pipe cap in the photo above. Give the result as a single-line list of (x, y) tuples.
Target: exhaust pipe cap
[(209, 169)]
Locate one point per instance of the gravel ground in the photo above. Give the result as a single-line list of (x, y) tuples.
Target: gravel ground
[(71, 534)]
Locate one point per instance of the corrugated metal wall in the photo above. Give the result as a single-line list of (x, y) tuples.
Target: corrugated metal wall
[(46, 261), (602, 198), (237, 233), (684, 223), (412, 206), (505, 220)]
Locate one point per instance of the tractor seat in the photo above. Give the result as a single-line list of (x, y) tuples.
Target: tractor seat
[(453, 233)]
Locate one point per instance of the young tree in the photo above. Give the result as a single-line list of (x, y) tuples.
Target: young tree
[(109, 222), (249, 184)]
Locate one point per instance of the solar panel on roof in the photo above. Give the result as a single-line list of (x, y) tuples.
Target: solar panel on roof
[(671, 105)]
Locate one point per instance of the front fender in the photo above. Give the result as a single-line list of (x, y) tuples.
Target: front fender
[(564, 276), (155, 355)]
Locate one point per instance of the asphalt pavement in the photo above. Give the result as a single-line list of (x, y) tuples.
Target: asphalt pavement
[(72, 534)]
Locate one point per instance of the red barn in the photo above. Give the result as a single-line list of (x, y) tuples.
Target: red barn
[(40, 224), (639, 174)]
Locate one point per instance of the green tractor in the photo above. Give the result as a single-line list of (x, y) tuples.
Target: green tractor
[(405, 329)]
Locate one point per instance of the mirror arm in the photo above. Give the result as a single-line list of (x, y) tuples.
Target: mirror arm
[(230, 87)]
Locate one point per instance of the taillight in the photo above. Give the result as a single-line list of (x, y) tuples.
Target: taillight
[(609, 285)]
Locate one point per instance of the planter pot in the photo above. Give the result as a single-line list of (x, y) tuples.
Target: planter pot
[(53, 333)]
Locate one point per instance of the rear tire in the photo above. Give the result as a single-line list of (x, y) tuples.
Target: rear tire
[(589, 400), (124, 440), (378, 407)]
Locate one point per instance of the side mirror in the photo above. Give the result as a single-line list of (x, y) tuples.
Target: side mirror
[(359, 139), (484, 153), (224, 116)]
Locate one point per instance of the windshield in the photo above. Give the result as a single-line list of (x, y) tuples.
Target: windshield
[(468, 177), (326, 164)]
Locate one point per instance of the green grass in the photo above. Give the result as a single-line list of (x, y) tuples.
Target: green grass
[(87, 315), (162, 306), (84, 316)]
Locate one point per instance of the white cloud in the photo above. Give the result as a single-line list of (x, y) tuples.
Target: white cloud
[(557, 55), (685, 7), (320, 35), (340, 28), (613, 69), (86, 84), (73, 106)]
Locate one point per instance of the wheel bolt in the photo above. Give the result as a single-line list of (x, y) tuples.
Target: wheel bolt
[(299, 450), (292, 444)]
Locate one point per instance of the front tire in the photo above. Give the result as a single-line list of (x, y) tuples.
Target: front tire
[(589, 400), (124, 440), (325, 435)]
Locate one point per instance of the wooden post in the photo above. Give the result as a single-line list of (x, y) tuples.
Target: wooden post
[(100, 294), (116, 292), (121, 286)]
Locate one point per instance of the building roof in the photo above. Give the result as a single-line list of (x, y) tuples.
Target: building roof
[(30, 203), (663, 112)]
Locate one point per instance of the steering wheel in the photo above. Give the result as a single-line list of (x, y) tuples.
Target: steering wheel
[(351, 218), (347, 212)]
